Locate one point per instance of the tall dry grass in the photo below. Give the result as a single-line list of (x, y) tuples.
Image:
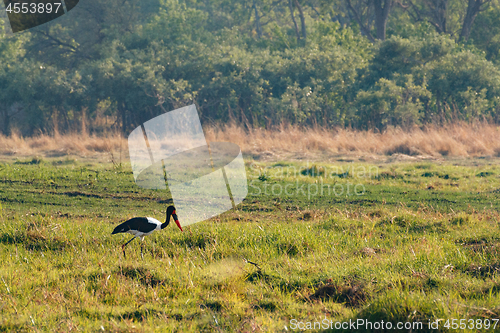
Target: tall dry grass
[(454, 140), (61, 145)]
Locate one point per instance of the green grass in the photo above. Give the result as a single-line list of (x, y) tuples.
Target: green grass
[(418, 242)]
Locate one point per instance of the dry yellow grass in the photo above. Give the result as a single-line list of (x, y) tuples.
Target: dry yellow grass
[(454, 140), (61, 145)]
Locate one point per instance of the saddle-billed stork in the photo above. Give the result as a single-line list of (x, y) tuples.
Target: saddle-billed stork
[(144, 226)]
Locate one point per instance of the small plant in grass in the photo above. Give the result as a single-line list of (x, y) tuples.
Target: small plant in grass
[(387, 175), (264, 177), (314, 171), (428, 174), (35, 160), (485, 174), (342, 174)]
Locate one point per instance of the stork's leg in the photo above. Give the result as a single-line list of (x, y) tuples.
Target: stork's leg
[(123, 246), (128, 242), (142, 244)]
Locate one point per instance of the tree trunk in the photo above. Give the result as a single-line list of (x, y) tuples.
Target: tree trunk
[(55, 122), (382, 9), (473, 8), (290, 5), (357, 17), (439, 15), (433, 11), (6, 122), (84, 122), (302, 19), (258, 27), (123, 115)]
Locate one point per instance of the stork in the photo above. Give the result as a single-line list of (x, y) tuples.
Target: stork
[(144, 226)]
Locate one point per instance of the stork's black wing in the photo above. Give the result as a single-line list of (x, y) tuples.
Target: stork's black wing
[(137, 223)]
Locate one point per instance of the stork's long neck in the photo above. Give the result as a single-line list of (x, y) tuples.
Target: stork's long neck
[(167, 221)]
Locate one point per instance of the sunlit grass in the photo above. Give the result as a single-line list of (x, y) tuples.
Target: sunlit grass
[(413, 247)]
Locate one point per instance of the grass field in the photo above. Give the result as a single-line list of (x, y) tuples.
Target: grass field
[(398, 242)]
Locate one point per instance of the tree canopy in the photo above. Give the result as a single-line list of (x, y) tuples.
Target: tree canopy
[(367, 64)]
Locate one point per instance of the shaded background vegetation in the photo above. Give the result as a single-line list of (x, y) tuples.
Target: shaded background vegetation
[(366, 64)]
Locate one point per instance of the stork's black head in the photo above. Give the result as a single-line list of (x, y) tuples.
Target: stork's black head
[(171, 212)]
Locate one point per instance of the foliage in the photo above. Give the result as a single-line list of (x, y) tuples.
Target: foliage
[(394, 103), (128, 61), (443, 82)]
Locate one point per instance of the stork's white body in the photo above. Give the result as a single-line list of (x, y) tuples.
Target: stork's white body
[(141, 234), (144, 226)]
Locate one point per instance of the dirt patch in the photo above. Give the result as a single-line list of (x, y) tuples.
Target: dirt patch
[(368, 251), (143, 275), (483, 271), (267, 306), (80, 194), (351, 294), (212, 305), (482, 245)]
